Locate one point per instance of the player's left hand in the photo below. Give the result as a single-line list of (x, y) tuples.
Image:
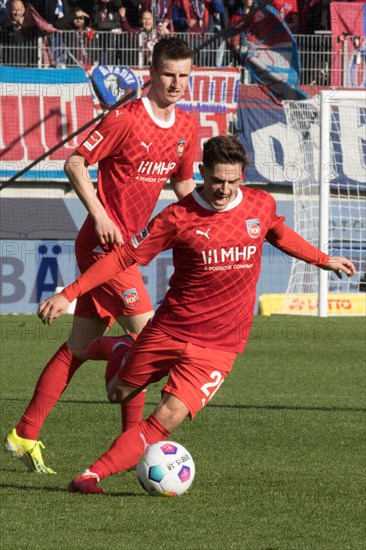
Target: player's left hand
[(52, 308), (339, 264)]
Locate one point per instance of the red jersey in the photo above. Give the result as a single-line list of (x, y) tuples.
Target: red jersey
[(217, 260), (136, 155)]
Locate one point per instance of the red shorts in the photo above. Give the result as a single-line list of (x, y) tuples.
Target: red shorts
[(195, 372), (124, 295)]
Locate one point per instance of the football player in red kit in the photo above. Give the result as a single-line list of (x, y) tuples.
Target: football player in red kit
[(217, 234), (138, 147)]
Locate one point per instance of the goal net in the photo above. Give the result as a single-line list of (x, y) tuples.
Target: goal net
[(329, 199)]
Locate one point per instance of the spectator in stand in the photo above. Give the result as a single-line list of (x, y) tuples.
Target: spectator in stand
[(79, 20), (204, 16), (106, 18), (317, 15), (315, 19), (191, 16), (58, 13), (162, 14), (52, 10), (217, 21), (25, 22), (132, 12), (291, 15), (105, 15), (81, 37), (147, 31), (23, 26)]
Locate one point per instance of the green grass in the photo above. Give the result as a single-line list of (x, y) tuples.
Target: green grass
[(280, 452)]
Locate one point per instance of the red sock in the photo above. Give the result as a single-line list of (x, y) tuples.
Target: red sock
[(114, 362), (131, 412), (102, 348), (128, 447), (51, 384)]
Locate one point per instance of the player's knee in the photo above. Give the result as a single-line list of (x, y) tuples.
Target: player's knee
[(78, 350), (135, 324)]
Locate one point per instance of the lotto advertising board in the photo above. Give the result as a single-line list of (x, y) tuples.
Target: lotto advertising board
[(307, 304)]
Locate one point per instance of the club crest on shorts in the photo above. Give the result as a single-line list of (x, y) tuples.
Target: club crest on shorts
[(180, 147), (130, 297), (253, 228)]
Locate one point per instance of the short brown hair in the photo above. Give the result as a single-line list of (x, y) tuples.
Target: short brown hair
[(224, 150), (170, 48)]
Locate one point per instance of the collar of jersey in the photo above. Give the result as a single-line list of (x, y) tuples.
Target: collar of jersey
[(197, 197), (163, 124)]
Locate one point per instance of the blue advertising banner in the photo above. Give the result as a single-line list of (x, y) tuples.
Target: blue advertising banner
[(261, 125), (276, 151)]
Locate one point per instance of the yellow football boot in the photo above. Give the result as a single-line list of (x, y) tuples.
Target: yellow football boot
[(27, 451)]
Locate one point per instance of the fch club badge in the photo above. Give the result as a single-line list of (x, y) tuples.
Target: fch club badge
[(180, 147), (130, 297), (253, 228)]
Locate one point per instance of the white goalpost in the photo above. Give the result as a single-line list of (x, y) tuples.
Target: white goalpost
[(329, 199)]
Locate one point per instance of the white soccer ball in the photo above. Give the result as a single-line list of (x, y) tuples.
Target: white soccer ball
[(166, 468)]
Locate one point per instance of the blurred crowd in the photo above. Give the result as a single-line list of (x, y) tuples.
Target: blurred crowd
[(22, 21)]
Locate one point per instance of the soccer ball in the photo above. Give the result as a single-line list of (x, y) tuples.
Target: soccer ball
[(166, 468)]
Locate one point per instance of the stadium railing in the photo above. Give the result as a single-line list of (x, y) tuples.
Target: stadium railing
[(317, 52)]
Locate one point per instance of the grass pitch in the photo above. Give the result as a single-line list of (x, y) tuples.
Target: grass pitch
[(280, 452)]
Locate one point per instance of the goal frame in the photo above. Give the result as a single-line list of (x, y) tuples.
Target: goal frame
[(327, 99)]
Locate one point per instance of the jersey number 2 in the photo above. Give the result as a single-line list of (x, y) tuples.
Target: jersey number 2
[(210, 388)]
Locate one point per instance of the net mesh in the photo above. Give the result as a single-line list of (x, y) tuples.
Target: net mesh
[(347, 175)]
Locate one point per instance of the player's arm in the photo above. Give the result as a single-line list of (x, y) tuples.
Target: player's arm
[(76, 169), (286, 239), (182, 188), (160, 234), (100, 272), (339, 264)]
